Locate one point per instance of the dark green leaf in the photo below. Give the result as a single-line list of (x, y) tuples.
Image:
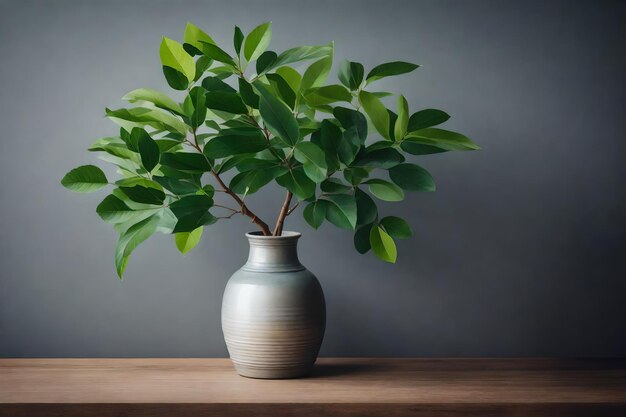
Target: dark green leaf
[(247, 94), (390, 68), (85, 179), (215, 84), (334, 185), (347, 208), (266, 59), (177, 186), (228, 102), (426, 118), (277, 116), (352, 118), (328, 94), (282, 87), (227, 145), (355, 175), (419, 149), (185, 161), (444, 139), (194, 220), (298, 183), (191, 204), (113, 210), (238, 39), (202, 64), (249, 182), (315, 212), (367, 212), (351, 74), (149, 151), (412, 177), (349, 145), (144, 195), (217, 53), (197, 97), (385, 158), (175, 79), (362, 239), (396, 227)]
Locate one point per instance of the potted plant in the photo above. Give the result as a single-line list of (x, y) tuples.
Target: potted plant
[(252, 117)]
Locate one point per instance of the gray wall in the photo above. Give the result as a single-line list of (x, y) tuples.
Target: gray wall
[(519, 252)]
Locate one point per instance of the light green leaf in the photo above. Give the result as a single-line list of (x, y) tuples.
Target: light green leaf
[(346, 205), (303, 53), (155, 97), (312, 159), (143, 116), (186, 241), (376, 111), (390, 68), (316, 74), (194, 36), (85, 179), (257, 41), (383, 245), (129, 241), (412, 177), (385, 190), (292, 77), (315, 212), (440, 138), (328, 94), (402, 122), (396, 227), (174, 56)]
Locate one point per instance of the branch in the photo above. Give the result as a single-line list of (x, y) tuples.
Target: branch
[(293, 208), (278, 230)]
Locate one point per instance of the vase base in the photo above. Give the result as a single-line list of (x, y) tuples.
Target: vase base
[(273, 373)]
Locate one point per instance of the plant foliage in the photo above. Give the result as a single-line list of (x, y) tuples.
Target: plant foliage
[(260, 117)]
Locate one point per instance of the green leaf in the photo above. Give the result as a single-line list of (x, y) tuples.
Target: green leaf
[(277, 116), (202, 64), (426, 118), (215, 52), (316, 74), (440, 138), (291, 76), (264, 61), (419, 149), (130, 239), (144, 195), (192, 212), (186, 161), (177, 186), (228, 102), (355, 175), (334, 185), (352, 118), (402, 122), (396, 227), (257, 41), (174, 56), (155, 97), (193, 39), (113, 210), (366, 209), (227, 145), (85, 179), (249, 182), (215, 84), (312, 159), (298, 183), (376, 111), (328, 139), (142, 116), (238, 40), (351, 74), (247, 94), (347, 207), (197, 98), (362, 239), (328, 94), (412, 177), (302, 53), (149, 151), (315, 212), (383, 245), (390, 68), (348, 146), (385, 190), (175, 79), (186, 241), (282, 87), (385, 158)]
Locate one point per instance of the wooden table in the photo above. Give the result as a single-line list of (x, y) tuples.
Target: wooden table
[(337, 387)]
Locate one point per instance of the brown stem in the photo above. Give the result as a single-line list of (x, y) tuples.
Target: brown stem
[(278, 230), (244, 209)]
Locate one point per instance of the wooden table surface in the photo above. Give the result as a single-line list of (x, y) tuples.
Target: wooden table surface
[(337, 387)]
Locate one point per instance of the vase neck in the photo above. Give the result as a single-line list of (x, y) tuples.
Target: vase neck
[(273, 253)]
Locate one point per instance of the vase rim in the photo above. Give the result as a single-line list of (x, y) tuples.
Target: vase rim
[(286, 235)]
